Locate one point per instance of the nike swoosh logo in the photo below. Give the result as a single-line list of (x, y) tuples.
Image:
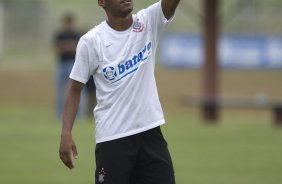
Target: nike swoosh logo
[(109, 45)]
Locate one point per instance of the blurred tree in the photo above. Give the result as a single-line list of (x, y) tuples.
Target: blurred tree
[(1, 29), (25, 23)]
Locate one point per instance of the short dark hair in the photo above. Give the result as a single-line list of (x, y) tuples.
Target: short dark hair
[(68, 17)]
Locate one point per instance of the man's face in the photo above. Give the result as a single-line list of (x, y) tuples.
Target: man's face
[(118, 8), (68, 23)]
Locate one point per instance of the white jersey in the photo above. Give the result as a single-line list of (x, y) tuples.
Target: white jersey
[(122, 63)]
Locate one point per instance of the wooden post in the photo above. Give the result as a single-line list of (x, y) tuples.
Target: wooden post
[(210, 67), (277, 113)]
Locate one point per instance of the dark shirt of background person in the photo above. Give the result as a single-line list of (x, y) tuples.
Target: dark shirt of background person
[(66, 39)]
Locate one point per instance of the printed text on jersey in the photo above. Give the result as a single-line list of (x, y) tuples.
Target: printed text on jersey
[(116, 73)]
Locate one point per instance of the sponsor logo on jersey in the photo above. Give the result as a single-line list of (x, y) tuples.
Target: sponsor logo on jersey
[(110, 73), (138, 26), (116, 73)]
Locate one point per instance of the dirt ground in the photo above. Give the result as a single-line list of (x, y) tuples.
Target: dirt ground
[(36, 87)]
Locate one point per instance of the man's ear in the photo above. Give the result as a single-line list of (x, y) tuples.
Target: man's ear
[(102, 3)]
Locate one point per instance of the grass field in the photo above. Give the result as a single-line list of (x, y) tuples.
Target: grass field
[(243, 148)]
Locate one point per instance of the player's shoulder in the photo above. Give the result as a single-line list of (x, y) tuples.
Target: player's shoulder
[(93, 34)]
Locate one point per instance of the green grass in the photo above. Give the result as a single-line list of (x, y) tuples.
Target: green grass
[(241, 149), (231, 152)]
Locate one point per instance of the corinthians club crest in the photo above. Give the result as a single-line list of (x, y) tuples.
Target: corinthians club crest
[(138, 26), (101, 176)]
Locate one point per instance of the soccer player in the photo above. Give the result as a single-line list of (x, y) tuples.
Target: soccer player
[(120, 54)]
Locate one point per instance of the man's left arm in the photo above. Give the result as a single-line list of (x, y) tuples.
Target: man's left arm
[(169, 7)]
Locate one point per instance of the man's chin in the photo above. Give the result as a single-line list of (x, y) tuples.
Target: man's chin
[(127, 12)]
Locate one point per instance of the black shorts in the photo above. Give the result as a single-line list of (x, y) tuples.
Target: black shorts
[(139, 159)]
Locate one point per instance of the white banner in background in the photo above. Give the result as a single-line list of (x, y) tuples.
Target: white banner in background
[(235, 52)]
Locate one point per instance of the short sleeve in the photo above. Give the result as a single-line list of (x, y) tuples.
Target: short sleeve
[(85, 62), (156, 17)]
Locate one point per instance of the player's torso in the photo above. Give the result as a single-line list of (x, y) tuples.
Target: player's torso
[(121, 54)]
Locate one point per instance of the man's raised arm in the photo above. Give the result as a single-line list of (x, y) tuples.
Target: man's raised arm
[(169, 7)]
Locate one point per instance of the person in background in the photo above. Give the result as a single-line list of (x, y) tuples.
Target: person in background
[(65, 43)]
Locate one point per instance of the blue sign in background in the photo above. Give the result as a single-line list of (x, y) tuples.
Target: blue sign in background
[(234, 52)]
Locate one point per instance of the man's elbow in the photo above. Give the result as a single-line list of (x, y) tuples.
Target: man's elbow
[(169, 7)]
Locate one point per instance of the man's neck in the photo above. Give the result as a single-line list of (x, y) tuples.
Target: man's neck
[(120, 23)]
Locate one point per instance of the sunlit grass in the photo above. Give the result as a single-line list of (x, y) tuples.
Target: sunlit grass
[(238, 150)]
